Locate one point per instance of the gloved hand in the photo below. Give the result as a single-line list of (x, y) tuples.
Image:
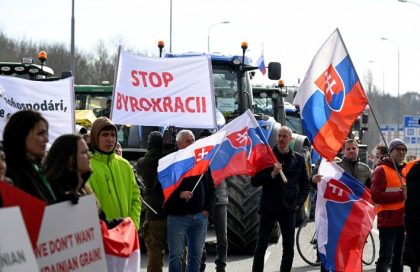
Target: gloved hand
[(113, 223), (73, 197)]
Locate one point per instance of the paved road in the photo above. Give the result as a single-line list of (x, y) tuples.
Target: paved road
[(272, 261)]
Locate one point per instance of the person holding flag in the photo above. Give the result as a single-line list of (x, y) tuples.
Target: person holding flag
[(387, 193), (187, 210), (281, 197), (330, 99)]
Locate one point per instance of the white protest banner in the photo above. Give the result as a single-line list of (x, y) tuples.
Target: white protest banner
[(16, 253), (54, 99), (70, 238), (164, 92)]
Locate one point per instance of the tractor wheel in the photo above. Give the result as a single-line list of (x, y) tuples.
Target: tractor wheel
[(242, 218)]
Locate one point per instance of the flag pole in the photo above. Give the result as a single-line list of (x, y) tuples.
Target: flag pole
[(371, 109), (143, 186)]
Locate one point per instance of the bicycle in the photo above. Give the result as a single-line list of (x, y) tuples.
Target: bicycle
[(307, 245)]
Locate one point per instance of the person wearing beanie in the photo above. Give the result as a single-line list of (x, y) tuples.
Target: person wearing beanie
[(387, 193), (112, 180), (154, 225)]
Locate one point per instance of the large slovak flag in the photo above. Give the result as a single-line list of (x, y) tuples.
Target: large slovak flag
[(191, 161), (330, 97), (245, 150), (343, 217), (122, 246)]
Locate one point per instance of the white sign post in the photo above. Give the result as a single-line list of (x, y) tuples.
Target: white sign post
[(412, 133), (70, 238), (16, 253), (164, 92)]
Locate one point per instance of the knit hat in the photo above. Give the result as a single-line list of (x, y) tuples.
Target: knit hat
[(100, 124), (204, 133), (394, 143), (154, 140)]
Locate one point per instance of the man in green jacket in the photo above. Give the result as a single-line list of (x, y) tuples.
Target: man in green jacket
[(112, 180)]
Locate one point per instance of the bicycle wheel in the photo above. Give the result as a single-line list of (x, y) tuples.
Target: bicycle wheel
[(369, 250), (306, 243)]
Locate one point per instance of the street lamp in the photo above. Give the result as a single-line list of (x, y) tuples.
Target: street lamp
[(208, 32), (170, 26), (72, 60), (398, 87), (383, 75), (411, 2)]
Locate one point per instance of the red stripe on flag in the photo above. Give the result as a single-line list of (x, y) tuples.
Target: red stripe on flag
[(261, 157), (353, 236), (122, 240), (332, 135)]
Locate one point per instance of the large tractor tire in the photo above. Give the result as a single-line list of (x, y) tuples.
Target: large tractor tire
[(242, 218)]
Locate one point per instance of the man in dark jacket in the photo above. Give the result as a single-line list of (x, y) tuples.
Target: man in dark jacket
[(154, 226), (188, 213), (351, 164), (387, 193), (280, 199), (412, 210)]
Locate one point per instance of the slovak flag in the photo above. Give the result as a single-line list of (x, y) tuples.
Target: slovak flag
[(260, 63), (122, 246), (330, 97), (344, 216), (191, 161), (245, 150)]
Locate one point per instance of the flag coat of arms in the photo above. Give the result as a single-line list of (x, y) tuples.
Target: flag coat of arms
[(244, 151), (191, 161), (330, 97), (344, 216)]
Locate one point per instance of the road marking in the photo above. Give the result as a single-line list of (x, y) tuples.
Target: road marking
[(267, 254)]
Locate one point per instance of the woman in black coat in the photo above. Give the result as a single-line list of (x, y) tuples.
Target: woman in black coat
[(25, 139), (67, 167)]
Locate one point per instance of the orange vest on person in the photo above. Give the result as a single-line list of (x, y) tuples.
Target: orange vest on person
[(393, 184), (408, 167)]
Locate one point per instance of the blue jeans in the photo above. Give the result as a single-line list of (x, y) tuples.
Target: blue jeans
[(390, 250), (191, 228)]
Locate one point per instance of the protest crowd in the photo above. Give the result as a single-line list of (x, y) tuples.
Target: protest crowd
[(181, 189)]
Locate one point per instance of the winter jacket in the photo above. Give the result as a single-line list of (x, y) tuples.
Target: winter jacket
[(115, 186), (412, 209), (278, 196), (202, 199), (380, 195), (357, 169), (152, 194), (66, 186), (30, 178)]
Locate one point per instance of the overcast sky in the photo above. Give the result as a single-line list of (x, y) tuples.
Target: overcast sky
[(290, 30)]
